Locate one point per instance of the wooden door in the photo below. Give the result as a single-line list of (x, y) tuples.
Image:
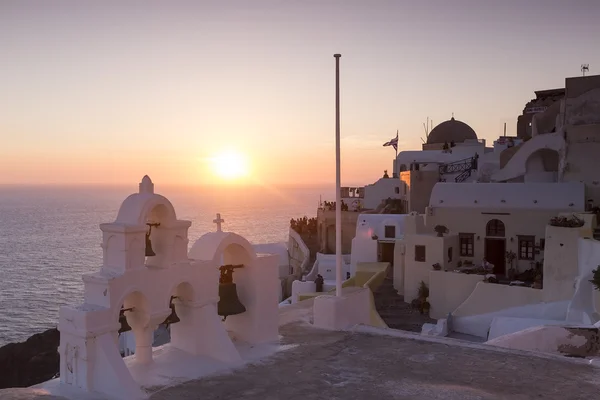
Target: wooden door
[(495, 254)]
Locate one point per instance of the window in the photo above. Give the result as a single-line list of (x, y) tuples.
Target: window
[(466, 241), (420, 253), (526, 247), (495, 227), (397, 190), (450, 251), (390, 231), (542, 244)]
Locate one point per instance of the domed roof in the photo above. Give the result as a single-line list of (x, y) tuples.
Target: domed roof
[(451, 131)]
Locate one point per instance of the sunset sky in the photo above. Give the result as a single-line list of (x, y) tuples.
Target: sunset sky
[(105, 92)]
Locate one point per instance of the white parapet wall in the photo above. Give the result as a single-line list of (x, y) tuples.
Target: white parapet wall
[(343, 312), (298, 252), (585, 304), (448, 290), (480, 324), (491, 297), (560, 263), (506, 325), (299, 287), (363, 250), (579, 341), (435, 250), (327, 267)]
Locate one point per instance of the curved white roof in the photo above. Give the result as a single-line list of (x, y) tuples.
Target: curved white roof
[(517, 165), (135, 207), (541, 196)]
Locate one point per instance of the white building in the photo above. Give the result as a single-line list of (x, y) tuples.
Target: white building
[(375, 239)]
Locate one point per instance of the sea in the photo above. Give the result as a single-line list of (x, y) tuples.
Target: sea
[(50, 236)]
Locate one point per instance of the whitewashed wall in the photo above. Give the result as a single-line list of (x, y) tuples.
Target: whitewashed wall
[(436, 252), (384, 188)]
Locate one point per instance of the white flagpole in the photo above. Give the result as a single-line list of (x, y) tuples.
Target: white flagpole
[(338, 184)]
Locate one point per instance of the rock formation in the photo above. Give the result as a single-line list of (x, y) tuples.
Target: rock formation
[(31, 362)]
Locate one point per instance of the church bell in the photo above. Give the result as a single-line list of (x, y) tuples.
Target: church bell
[(149, 251), (123, 320), (229, 303), (172, 318)]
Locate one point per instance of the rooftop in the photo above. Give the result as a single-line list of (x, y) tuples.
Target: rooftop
[(535, 196), (358, 365)]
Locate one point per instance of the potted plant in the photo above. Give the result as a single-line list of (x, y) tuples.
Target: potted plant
[(423, 294), (567, 222), (437, 267), (440, 230), (596, 278), (510, 258)]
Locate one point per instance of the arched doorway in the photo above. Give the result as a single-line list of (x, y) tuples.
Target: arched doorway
[(495, 245)]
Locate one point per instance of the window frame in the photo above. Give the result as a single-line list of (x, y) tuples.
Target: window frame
[(470, 238), (492, 228), (418, 248), (527, 243), (385, 231)]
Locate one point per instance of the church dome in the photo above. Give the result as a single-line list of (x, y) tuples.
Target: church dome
[(451, 131)]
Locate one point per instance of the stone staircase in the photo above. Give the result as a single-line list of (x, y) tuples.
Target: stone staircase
[(394, 311)]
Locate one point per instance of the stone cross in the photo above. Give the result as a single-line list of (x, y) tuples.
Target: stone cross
[(218, 221)]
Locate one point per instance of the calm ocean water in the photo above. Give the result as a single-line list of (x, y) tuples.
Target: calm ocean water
[(49, 236)]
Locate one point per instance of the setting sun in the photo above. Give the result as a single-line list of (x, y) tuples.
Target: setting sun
[(230, 165)]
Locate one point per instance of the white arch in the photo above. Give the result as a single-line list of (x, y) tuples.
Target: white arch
[(212, 245), (517, 165), (136, 207)]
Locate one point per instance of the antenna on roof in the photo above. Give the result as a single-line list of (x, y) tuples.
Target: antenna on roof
[(585, 68), (505, 129), (426, 128)]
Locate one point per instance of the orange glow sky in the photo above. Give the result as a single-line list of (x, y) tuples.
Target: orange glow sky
[(105, 92)]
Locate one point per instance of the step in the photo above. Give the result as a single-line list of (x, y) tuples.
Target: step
[(392, 304)]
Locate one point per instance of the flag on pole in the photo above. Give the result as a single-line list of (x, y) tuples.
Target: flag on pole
[(393, 142)]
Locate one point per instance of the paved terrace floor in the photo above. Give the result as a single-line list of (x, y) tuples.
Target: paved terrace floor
[(352, 365), (346, 365)]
